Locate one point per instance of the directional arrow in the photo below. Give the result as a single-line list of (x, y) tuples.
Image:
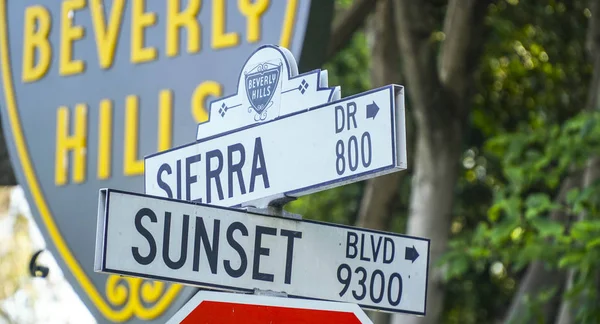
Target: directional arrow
[(411, 254), (372, 110)]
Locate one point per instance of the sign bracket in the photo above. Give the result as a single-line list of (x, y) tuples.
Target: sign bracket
[(273, 211), (272, 206), (271, 293)]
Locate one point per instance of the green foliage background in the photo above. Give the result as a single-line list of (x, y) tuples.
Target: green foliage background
[(528, 131)]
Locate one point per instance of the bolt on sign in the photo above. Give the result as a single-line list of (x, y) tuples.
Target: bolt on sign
[(89, 87)]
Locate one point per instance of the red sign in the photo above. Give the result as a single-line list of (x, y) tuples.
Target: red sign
[(229, 308)]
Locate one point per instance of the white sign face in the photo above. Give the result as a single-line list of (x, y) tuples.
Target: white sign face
[(209, 307), (229, 249), (328, 146), (283, 134)]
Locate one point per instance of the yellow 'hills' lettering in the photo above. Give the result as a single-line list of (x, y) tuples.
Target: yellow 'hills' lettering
[(76, 143), (202, 91), (36, 38), (105, 139), (187, 19), (131, 164), (106, 36), (69, 34)]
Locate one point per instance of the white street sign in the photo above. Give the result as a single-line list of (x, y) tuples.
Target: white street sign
[(233, 250), (283, 134), (328, 146)]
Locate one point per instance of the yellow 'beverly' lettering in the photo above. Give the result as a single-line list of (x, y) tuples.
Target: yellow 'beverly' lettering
[(184, 19), (106, 24), (253, 10), (69, 34), (221, 39), (140, 20), (36, 38), (106, 36)]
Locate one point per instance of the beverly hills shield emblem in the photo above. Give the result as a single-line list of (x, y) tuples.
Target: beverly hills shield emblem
[(89, 87), (261, 82)]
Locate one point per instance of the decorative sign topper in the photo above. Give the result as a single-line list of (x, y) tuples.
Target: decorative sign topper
[(268, 87)]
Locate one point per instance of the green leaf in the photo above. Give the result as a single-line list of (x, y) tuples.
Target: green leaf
[(542, 163), (538, 200), (587, 127), (527, 254), (537, 203), (593, 243), (513, 207), (494, 211), (572, 196), (515, 175), (502, 231), (479, 252), (587, 193), (531, 213), (457, 267), (587, 226), (575, 290), (545, 295), (497, 145), (571, 259), (547, 227)]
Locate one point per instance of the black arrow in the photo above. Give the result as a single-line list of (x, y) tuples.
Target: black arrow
[(372, 110), (411, 254)]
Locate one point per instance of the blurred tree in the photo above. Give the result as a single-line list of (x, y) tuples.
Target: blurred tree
[(440, 46), (591, 172), (539, 88), (408, 33)]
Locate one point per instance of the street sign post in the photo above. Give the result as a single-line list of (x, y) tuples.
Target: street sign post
[(221, 308), (234, 250), (282, 135)]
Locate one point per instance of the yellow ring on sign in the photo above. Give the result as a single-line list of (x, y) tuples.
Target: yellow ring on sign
[(129, 298)]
